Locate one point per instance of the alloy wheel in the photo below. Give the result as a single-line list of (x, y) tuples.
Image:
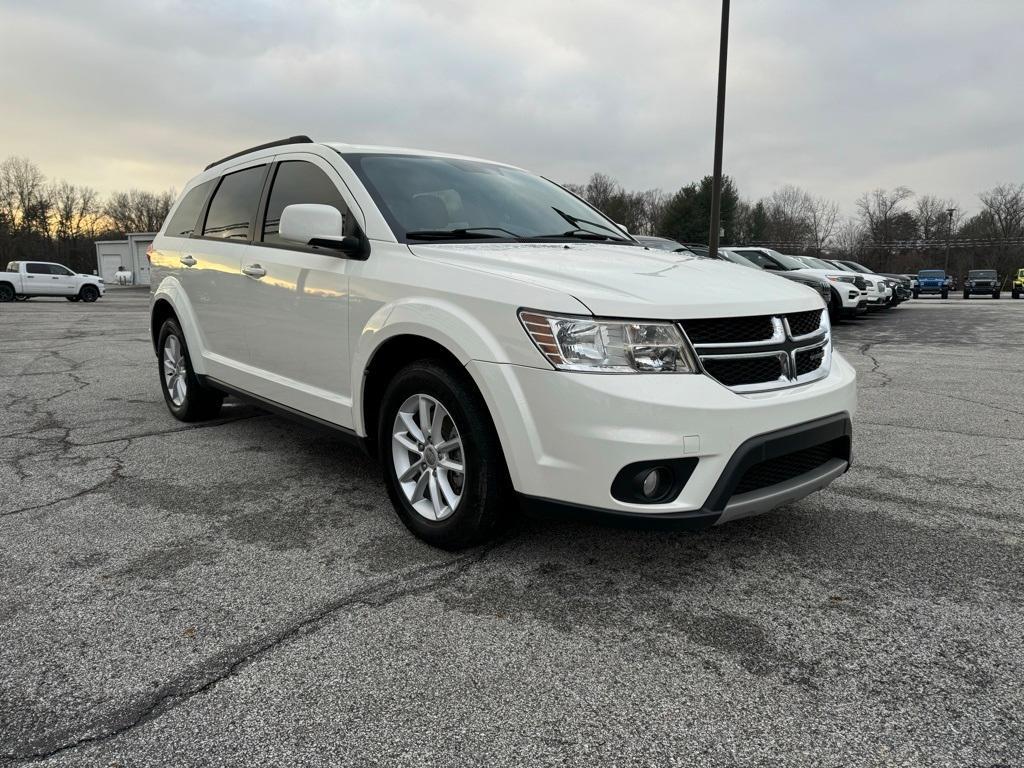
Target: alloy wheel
[(175, 370), (428, 457)]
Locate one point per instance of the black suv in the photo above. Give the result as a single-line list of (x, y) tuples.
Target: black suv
[(982, 281)]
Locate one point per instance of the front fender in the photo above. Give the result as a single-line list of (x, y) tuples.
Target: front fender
[(444, 323)]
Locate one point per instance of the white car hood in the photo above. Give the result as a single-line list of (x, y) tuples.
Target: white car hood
[(628, 281)]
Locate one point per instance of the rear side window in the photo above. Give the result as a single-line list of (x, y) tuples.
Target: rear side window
[(37, 269), (12, 266), (301, 182), (183, 222), (234, 204)]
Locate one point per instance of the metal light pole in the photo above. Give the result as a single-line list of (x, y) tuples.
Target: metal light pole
[(716, 183), (949, 235)]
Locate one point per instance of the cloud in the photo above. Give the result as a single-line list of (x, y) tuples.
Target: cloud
[(838, 97)]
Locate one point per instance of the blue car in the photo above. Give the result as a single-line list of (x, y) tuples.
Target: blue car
[(932, 281)]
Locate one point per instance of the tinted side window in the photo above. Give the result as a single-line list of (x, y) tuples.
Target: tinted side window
[(300, 182), (183, 223), (234, 204), (37, 269), (57, 269)]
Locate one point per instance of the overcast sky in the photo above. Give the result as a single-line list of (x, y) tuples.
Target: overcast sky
[(838, 96)]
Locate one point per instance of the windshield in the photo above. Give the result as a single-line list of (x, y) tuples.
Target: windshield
[(432, 199), (853, 265), (789, 262), (982, 273), (737, 258), (816, 263), (661, 244), (931, 273)]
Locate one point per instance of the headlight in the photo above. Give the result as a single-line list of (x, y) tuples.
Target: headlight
[(842, 278), (868, 283), (608, 346)]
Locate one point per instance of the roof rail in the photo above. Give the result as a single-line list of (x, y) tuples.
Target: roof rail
[(268, 145)]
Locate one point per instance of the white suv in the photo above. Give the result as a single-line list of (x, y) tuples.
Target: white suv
[(491, 337)]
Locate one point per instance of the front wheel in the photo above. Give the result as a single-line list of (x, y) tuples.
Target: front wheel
[(917, 294), (967, 294), (1015, 293), (442, 463), (187, 399), (72, 298), (945, 294), (996, 295), (89, 293)]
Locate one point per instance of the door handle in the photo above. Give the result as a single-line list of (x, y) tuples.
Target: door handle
[(188, 261), (254, 270), (55, 278)]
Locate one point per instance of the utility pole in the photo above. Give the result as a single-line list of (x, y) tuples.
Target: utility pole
[(949, 235), (716, 184)]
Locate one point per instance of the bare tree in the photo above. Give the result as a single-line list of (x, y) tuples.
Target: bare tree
[(137, 210), (849, 237), (823, 216), (788, 212), (1005, 204), (880, 209), (23, 195)]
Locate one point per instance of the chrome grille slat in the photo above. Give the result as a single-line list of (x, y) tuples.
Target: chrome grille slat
[(798, 351)]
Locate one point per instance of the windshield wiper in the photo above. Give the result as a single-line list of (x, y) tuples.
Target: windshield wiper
[(580, 234), (462, 233), (616, 234)]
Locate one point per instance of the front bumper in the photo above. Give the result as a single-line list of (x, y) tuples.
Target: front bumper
[(566, 436)]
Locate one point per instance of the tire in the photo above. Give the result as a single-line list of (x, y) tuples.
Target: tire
[(945, 294), (89, 293), (996, 295), (1015, 293), (73, 298), (967, 294), (187, 399), (470, 504), (835, 309), (917, 294), (22, 297), (7, 292)]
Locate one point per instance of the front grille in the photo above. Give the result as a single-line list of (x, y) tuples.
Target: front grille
[(729, 330), (737, 371), (808, 360), (789, 466), (803, 323)]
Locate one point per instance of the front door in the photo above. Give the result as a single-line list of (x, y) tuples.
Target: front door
[(298, 299)]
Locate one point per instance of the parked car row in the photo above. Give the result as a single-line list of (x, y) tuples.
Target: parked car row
[(23, 280), (979, 282)]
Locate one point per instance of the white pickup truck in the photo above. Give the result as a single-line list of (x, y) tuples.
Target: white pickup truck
[(24, 279)]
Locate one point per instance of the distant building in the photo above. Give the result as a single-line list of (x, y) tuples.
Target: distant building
[(129, 253)]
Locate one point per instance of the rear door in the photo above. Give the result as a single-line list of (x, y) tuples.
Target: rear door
[(211, 268), (298, 309), (37, 280)]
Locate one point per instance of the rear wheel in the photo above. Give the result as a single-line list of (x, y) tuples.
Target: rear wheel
[(442, 463), (73, 298), (89, 293), (7, 292), (187, 399)]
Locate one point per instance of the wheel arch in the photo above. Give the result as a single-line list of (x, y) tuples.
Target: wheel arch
[(170, 301)]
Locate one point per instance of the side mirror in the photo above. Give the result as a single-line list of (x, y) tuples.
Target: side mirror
[(320, 226)]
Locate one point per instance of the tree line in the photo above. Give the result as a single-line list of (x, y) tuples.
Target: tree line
[(55, 220), (892, 230)]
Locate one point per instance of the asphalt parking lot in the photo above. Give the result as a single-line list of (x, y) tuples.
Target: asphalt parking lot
[(242, 592)]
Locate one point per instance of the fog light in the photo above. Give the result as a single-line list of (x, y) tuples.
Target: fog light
[(651, 483)]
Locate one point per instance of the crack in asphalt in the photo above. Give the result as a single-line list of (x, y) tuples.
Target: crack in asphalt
[(876, 366), (222, 666)]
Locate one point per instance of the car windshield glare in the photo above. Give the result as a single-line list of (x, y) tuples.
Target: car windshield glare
[(432, 199)]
